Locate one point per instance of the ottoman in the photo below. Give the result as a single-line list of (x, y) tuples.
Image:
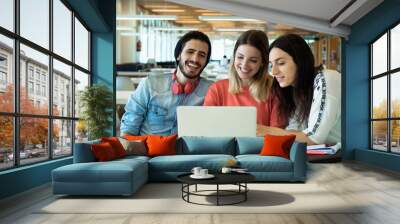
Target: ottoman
[(118, 177)]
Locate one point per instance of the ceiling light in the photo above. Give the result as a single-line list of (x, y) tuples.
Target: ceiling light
[(214, 14), (175, 28), (164, 6), (131, 34), (203, 10), (147, 17), (230, 29), (188, 21), (168, 10), (124, 28), (226, 18), (186, 17)]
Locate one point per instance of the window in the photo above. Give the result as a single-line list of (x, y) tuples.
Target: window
[(81, 45), (3, 72), (3, 61), (54, 126), (37, 74), (385, 96), (7, 73), (7, 14), (62, 29), (44, 91), (3, 78), (34, 25), (30, 87), (38, 89), (62, 74), (30, 72)]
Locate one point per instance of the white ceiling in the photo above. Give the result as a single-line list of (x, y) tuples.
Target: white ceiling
[(313, 15), (320, 9)]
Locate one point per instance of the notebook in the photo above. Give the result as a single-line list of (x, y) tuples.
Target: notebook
[(211, 121)]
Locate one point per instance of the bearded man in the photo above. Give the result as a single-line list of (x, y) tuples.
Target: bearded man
[(151, 108)]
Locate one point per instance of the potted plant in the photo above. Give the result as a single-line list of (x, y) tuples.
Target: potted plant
[(96, 104)]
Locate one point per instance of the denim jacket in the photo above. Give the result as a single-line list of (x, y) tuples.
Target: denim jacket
[(151, 108)]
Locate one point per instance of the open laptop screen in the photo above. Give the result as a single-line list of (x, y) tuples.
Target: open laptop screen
[(221, 121)]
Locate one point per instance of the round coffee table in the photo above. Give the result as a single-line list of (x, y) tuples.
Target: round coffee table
[(238, 179)]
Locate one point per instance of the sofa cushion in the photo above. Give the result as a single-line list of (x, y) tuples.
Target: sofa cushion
[(161, 145), (136, 137), (134, 147), (116, 145), (257, 163), (103, 151), (185, 163), (277, 145), (83, 152), (193, 145), (249, 145)]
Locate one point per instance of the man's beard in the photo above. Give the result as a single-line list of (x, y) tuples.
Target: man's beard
[(181, 66)]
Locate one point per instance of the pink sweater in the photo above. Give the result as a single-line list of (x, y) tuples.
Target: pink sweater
[(267, 111)]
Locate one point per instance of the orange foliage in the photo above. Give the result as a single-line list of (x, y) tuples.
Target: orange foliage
[(33, 130)]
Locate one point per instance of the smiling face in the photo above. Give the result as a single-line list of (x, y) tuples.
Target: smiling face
[(282, 67), (247, 62), (193, 58)]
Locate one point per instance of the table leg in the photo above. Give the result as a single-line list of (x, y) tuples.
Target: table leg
[(217, 194), (245, 191)]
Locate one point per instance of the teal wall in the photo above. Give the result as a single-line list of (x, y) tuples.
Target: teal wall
[(99, 16), (356, 85), (24, 178), (103, 53)]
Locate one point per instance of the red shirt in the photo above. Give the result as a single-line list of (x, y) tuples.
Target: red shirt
[(267, 111)]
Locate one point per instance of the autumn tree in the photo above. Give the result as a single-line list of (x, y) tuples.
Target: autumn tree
[(380, 127), (33, 130)]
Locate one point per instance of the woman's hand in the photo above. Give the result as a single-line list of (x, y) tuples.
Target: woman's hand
[(263, 130)]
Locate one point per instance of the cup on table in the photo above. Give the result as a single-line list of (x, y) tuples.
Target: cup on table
[(196, 170), (203, 172), (226, 170)]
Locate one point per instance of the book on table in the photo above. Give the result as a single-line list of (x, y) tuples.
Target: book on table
[(323, 149)]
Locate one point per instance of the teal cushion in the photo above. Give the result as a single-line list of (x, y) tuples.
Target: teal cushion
[(193, 145), (257, 163), (111, 171), (249, 145), (185, 163), (83, 152)]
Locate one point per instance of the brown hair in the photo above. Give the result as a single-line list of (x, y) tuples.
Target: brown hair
[(261, 82)]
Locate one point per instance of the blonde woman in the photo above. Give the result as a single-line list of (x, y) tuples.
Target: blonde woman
[(248, 81)]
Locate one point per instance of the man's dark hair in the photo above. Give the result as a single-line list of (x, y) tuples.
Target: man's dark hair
[(196, 35)]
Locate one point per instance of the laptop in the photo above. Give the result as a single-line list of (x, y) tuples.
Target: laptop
[(221, 121)]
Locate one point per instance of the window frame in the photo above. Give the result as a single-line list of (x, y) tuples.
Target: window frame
[(15, 68), (388, 74)]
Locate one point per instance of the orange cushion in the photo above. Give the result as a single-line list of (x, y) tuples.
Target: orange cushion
[(161, 145), (136, 137), (103, 152), (116, 145), (277, 145)]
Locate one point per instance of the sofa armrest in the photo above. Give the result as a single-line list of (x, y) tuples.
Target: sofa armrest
[(83, 153), (299, 159)]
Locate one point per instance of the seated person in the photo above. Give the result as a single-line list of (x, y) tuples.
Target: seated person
[(310, 97), (248, 82), (151, 109)]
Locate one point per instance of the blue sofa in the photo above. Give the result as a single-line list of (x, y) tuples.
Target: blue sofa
[(125, 176)]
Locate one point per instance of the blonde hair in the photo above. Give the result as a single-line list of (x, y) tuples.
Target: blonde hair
[(261, 82)]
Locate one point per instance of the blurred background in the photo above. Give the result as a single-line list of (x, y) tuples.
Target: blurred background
[(147, 32)]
